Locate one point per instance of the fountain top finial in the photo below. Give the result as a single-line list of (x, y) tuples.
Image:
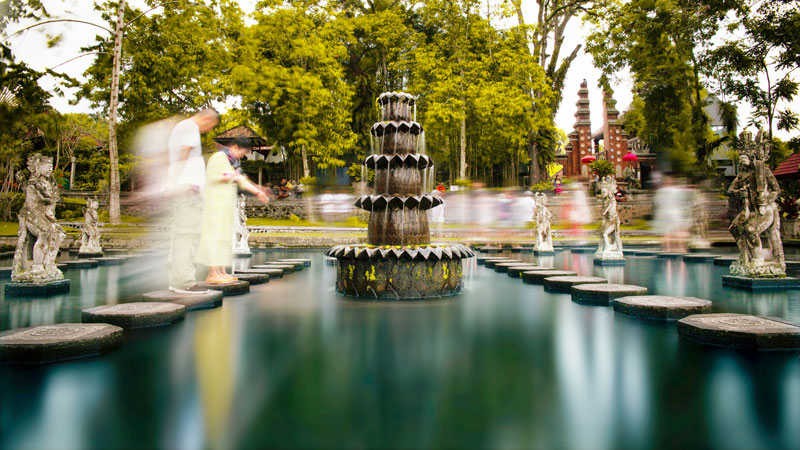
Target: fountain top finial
[(405, 97)]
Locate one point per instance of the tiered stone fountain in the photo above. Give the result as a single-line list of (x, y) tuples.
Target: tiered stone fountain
[(399, 261)]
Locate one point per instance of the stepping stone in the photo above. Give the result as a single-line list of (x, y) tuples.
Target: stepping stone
[(699, 249), (50, 343), (544, 252), (73, 251), (237, 287), (516, 270), (760, 283), (253, 278), (491, 250), (564, 283), (792, 265), (645, 252), (287, 268), (117, 251), (582, 250), (89, 255), (306, 261), (725, 260), (135, 315), (483, 259), (28, 289), (109, 261), (490, 263), (273, 273), (741, 331), (699, 257), (330, 261), (5, 272), (603, 294), (670, 255), (242, 255), (609, 262), (202, 300), (538, 276), (502, 267), (80, 263), (661, 307), (298, 265)]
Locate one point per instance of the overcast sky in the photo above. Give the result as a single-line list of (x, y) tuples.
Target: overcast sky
[(30, 47)]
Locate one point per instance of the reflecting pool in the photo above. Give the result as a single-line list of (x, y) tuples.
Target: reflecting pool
[(504, 365)]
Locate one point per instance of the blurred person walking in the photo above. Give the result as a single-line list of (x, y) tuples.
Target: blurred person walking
[(216, 240), (187, 181)]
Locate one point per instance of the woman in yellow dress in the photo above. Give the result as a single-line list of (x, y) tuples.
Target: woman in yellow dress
[(223, 174)]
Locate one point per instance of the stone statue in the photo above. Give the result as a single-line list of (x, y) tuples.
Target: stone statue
[(699, 237), (90, 235), (544, 237), (240, 233), (610, 247), (39, 236), (759, 191)]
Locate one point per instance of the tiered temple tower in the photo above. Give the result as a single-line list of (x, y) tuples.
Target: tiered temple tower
[(398, 262), (580, 140)]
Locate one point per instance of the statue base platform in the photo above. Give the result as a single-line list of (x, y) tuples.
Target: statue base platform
[(761, 283), (90, 253), (544, 252), (242, 254), (47, 288), (582, 250), (609, 262)]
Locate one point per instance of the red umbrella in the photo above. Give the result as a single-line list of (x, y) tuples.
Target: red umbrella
[(587, 159), (630, 157)]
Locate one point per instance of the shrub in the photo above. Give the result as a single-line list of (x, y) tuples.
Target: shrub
[(602, 168), (294, 218), (462, 182)]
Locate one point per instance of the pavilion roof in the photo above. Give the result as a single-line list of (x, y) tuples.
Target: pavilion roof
[(227, 136), (789, 168)]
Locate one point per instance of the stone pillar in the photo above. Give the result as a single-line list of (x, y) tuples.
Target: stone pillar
[(614, 141), (72, 174)]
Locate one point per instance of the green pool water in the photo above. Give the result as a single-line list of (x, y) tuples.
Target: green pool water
[(504, 365)]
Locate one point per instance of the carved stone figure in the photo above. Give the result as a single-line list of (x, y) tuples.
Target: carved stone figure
[(544, 237), (610, 247), (759, 191), (90, 235), (240, 233), (39, 235), (699, 237)]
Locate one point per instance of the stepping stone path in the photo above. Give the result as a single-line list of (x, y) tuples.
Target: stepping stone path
[(28, 289), (502, 267), (50, 343), (604, 294), (741, 331), (699, 257), (516, 270), (202, 300), (661, 307), (273, 273), (287, 268), (135, 315), (81, 263), (238, 287), (109, 261), (5, 272), (538, 276), (564, 283), (298, 265), (725, 260), (306, 261), (253, 278), (482, 259), (490, 263)]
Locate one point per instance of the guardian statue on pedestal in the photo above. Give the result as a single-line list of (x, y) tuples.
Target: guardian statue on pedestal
[(90, 235), (240, 233), (610, 248), (544, 237)]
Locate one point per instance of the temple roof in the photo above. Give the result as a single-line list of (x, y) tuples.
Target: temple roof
[(227, 136), (789, 168)]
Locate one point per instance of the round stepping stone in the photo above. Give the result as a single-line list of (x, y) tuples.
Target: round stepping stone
[(117, 251), (538, 276), (502, 267), (109, 261), (135, 315), (273, 273), (661, 307), (80, 263), (564, 283), (583, 250), (482, 259), (28, 289), (202, 300), (490, 263), (237, 287), (670, 255), (89, 254), (604, 294), (50, 343), (544, 252), (491, 250), (306, 261), (516, 270), (298, 265), (253, 278), (741, 331), (699, 257), (645, 252), (725, 260), (5, 272), (287, 268)]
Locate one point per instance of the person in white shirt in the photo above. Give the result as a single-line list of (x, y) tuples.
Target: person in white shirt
[(187, 179)]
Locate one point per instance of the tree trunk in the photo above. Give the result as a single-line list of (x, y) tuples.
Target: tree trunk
[(113, 154), (462, 166), (533, 154), (306, 171)]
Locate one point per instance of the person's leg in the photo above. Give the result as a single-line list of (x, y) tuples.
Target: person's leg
[(187, 220)]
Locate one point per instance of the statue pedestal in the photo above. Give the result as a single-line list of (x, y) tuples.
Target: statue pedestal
[(609, 261), (45, 288), (90, 252), (761, 283)]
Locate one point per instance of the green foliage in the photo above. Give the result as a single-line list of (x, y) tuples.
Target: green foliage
[(293, 218), (462, 182), (355, 172), (790, 195), (308, 181), (601, 167)]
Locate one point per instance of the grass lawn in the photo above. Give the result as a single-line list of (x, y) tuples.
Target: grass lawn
[(8, 228)]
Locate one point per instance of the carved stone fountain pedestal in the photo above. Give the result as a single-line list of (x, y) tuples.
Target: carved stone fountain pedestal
[(609, 252), (90, 235), (399, 262)]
